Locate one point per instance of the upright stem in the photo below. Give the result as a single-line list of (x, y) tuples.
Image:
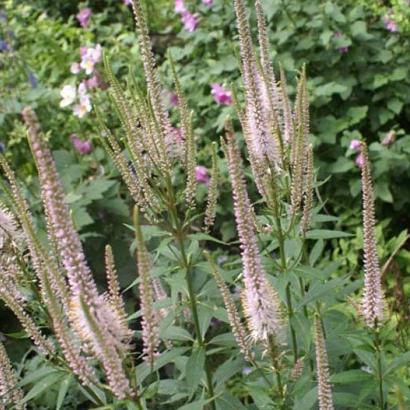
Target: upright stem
[(281, 241), (194, 309), (276, 365), (377, 346)]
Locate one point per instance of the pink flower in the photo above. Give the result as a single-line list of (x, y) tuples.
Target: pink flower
[(89, 57), (82, 147), (190, 21), (83, 17), (173, 99), (221, 95), (96, 81), (201, 174), (390, 24), (360, 161), (208, 2), (75, 68), (355, 145), (127, 2), (389, 138), (180, 6)]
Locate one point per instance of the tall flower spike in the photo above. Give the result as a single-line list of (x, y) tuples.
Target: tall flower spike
[(90, 314), (210, 211), (260, 299), (187, 132), (261, 143), (150, 331), (53, 287), (322, 369), (10, 393), (308, 194), (269, 79), (299, 143), (114, 294), (16, 302), (234, 320), (373, 297), (153, 84)]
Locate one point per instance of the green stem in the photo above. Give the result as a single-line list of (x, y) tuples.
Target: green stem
[(281, 241), (377, 346), (194, 309), (276, 365)]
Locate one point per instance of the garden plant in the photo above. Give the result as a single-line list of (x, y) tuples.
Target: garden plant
[(244, 290)]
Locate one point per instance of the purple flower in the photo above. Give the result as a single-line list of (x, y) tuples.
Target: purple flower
[(81, 146), (127, 2), (201, 175), (360, 160), (83, 17), (208, 3), (4, 46), (180, 6), (343, 50), (221, 95), (389, 138), (32, 79), (190, 21), (390, 24), (173, 99), (355, 145)]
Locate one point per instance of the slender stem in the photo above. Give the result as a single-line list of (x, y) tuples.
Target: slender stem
[(281, 241), (194, 309), (276, 365), (377, 346)]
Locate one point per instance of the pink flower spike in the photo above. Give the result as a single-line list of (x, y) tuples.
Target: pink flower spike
[(190, 21), (389, 138), (82, 147), (75, 68), (83, 17), (208, 3), (201, 175), (180, 6), (221, 95), (360, 161), (355, 145)]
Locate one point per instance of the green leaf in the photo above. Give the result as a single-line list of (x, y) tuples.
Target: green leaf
[(196, 405), (326, 234), (62, 392), (143, 370), (226, 370), (356, 114), (350, 376), (200, 236), (398, 362), (37, 374), (318, 290), (42, 385), (329, 88), (177, 333), (194, 369)]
